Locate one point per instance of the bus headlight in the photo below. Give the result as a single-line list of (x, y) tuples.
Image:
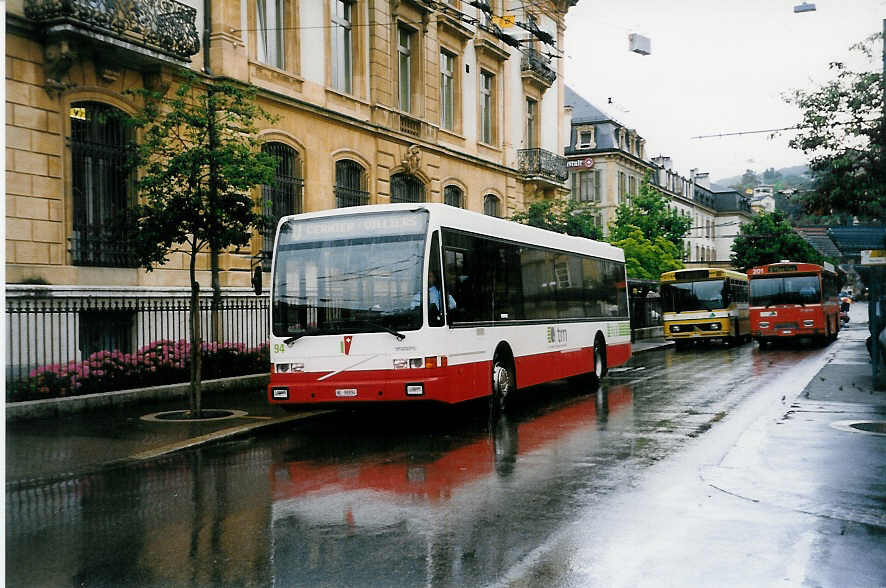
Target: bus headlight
[(715, 326), (808, 323), (764, 324)]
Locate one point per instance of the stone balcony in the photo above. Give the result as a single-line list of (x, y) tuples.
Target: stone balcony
[(133, 32)]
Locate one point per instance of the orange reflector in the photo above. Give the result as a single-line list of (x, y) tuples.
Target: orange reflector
[(443, 361), (431, 362)]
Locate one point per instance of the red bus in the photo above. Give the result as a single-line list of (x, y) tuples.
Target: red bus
[(428, 302), (789, 299)]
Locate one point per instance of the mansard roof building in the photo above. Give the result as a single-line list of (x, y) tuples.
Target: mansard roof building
[(607, 162)]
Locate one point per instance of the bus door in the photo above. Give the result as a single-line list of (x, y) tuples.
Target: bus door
[(437, 294)]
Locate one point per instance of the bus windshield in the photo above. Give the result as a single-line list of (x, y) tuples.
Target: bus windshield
[(689, 296), (349, 274), (785, 290)]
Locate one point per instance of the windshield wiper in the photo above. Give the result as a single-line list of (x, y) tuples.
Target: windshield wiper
[(293, 339), (400, 336)]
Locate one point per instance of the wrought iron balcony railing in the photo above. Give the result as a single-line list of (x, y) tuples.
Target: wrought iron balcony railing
[(163, 25), (536, 63), (539, 163)]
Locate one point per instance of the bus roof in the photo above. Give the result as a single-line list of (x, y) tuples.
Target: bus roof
[(702, 273), (789, 267), (474, 222)]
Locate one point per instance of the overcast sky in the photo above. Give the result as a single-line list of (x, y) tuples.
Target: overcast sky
[(716, 67)]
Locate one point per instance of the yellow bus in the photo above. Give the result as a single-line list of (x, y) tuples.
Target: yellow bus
[(705, 304)]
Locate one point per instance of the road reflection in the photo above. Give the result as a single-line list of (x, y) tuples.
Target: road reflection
[(430, 507)]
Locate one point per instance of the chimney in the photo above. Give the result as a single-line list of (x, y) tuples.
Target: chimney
[(567, 125), (663, 162), (703, 179)]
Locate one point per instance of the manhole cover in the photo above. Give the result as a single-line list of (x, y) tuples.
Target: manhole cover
[(868, 427), (185, 416)]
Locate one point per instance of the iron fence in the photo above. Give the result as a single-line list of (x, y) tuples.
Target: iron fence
[(46, 331)]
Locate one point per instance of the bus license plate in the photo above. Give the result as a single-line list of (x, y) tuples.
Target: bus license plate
[(346, 392)]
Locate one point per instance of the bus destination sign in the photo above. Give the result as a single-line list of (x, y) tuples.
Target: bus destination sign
[(347, 227), (774, 269)]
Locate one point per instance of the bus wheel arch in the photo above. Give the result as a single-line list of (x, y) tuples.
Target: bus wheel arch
[(504, 378)]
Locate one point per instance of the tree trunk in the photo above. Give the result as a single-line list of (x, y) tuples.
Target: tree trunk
[(196, 341), (215, 318), (215, 321)]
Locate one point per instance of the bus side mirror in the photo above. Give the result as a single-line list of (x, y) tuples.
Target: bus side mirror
[(256, 280)]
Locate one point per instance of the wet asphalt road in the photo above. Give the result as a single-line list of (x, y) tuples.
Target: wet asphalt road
[(432, 497)]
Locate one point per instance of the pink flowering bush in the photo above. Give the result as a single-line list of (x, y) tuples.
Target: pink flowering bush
[(160, 362)]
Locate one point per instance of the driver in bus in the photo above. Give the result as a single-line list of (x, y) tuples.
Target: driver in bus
[(434, 294)]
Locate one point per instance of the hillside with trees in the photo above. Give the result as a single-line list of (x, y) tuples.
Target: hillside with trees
[(792, 185)]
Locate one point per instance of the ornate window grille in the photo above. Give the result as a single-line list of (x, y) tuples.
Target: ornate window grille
[(491, 206), (350, 184), (453, 196), (281, 198), (406, 188), (101, 186)]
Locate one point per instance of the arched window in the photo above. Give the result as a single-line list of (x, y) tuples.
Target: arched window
[(453, 196), (491, 205), (350, 184), (281, 198), (406, 188), (101, 185)]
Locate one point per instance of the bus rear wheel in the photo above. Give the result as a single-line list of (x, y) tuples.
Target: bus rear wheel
[(502, 384), (599, 360)]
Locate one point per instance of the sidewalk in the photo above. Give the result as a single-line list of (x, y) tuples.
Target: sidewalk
[(47, 448), (812, 460)]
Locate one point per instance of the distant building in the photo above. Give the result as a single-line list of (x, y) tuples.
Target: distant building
[(605, 159), (763, 199), (607, 163)]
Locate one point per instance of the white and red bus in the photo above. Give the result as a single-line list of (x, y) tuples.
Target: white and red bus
[(357, 313), (789, 299)]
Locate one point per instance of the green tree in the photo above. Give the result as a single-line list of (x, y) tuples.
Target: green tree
[(843, 131), (648, 211), (651, 234), (199, 161), (646, 258), (562, 216), (768, 239)]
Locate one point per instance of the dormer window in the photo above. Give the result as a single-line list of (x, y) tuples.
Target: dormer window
[(586, 138)]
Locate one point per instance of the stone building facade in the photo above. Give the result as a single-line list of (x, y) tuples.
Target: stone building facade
[(377, 101)]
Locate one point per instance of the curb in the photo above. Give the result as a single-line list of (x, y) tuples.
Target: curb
[(657, 347), (220, 435), (54, 407)]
